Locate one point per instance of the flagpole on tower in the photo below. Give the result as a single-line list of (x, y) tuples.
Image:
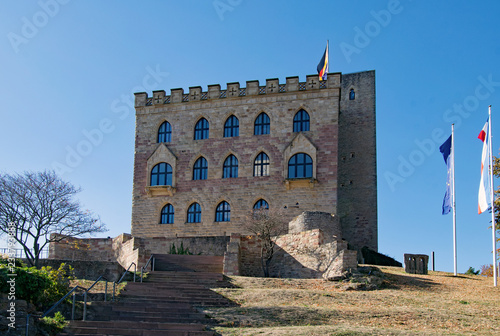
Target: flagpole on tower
[(453, 199), (492, 194)]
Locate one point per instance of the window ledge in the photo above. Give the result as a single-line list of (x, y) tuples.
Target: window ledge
[(162, 190), (300, 183)]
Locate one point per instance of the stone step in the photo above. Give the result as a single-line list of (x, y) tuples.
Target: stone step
[(162, 305), (134, 332), (168, 293), (147, 333), (184, 259), (151, 333), (135, 305), (199, 274), (116, 324), (146, 298), (153, 319), (153, 278), (175, 262), (149, 311)]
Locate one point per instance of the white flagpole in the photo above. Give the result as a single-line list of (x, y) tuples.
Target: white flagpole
[(492, 194), (453, 199)]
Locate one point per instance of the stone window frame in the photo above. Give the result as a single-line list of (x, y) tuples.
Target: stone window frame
[(202, 130), (300, 144), (169, 215), (223, 212), (161, 154), (196, 213), (297, 164), (194, 167), (261, 125), (230, 166), (168, 175), (260, 200), (167, 133), (299, 124), (262, 164), (348, 93), (230, 130)]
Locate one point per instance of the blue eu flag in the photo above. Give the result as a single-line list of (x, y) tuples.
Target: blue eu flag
[(445, 149)]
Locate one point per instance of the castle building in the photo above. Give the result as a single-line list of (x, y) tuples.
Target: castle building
[(205, 159)]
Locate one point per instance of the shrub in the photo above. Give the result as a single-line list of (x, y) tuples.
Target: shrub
[(53, 325), (487, 270), (472, 271), (41, 287), (180, 250)]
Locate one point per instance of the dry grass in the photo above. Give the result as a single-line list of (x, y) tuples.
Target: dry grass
[(434, 304), (98, 287)]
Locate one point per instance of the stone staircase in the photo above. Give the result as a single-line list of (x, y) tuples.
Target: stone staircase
[(164, 304)]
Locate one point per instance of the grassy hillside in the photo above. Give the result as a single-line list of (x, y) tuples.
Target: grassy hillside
[(404, 304)]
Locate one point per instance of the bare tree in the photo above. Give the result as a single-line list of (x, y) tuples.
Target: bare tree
[(35, 204), (267, 225)]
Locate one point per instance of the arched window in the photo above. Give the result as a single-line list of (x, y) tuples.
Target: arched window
[(167, 214), (165, 132), (200, 169), (300, 166), (223, 212), (262, 124), (194, 213), (261, 204), (161, 174), (230, 167), (301, 121), (231, 127), (261, 165), (201, 129), (352, 94)]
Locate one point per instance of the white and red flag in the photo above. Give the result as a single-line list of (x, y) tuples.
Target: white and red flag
[(484, 186)]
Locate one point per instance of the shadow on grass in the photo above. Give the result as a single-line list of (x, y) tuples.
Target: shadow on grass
[(458, 277), (400, 281), (257, 317)]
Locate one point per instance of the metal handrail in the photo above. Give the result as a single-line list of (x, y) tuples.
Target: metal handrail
[(150, 260), (135, 271), (61, 300), (73, 303), (88, 289)]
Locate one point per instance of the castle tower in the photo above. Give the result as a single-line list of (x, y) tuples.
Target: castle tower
[(205, 159)]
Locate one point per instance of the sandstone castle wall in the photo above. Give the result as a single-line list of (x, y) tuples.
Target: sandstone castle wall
[(341, 141)]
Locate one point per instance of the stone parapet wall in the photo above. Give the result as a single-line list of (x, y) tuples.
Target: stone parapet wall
[(232, 256), (71, 248), (298, 255), (234, 90), (309, 220), (126, 249), (90, 270), (212, 246), (249, 263)]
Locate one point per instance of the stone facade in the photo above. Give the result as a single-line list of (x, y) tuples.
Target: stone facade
[(331, 209), (340, 141), (357, 174)]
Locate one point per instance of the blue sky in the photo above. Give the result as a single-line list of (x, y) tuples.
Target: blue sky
[(68, 70)]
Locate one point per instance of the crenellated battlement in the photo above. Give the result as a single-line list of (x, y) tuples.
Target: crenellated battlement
[(233, 90)]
